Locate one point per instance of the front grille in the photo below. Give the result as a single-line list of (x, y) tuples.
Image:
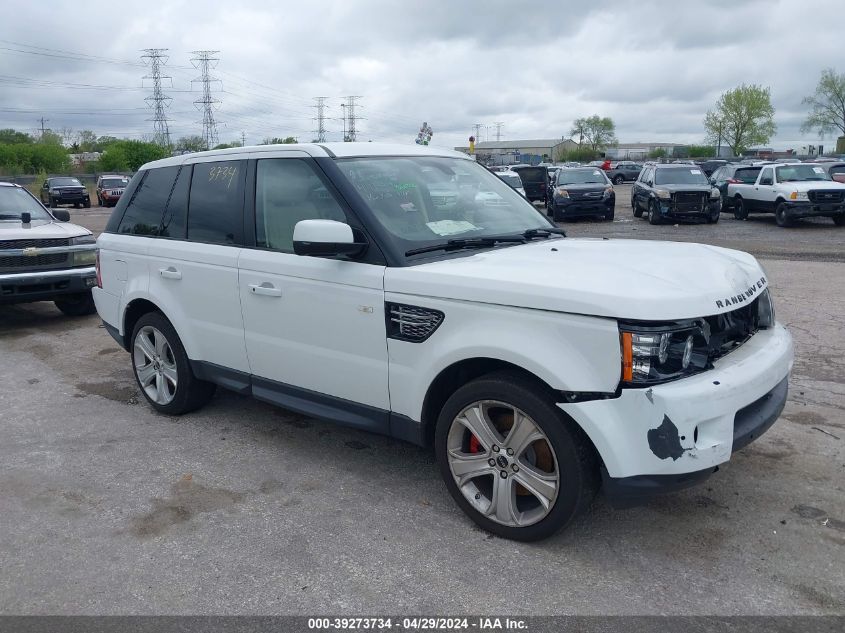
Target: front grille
[(71, 193), (731, 329), (411, 323), (17, 262), (689, 201), (825, 196), (585, 195)]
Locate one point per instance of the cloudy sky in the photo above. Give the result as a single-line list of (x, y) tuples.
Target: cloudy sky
[(654, 66)]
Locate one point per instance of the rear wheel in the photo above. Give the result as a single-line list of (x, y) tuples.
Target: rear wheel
[(163, 370), (653, 212), (512, 460), (781, 216), (618, 180), (740, 210), (80, 304)]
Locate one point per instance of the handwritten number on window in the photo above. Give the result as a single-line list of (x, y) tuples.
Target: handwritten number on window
[(223, 174)]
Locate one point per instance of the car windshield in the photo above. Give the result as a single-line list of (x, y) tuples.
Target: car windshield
[(748, 176), (398, 192), (680, 176), (115, 182), (65, 182), (798, 173), (14, 201), (581, 177), (512, 179)]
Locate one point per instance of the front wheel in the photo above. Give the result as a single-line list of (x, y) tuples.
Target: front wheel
[(653, 213), (618, 180), (838, 220), (163, 370), (714, 216), (512, 460), (609, 215), (635, 207), (87, 204), (781, 216), (81, 304)]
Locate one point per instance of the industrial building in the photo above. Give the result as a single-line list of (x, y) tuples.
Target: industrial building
[(531, 151)]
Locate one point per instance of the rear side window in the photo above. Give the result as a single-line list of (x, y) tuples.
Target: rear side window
[(116, 217), (837, 169), (215, 213), (148, 202)]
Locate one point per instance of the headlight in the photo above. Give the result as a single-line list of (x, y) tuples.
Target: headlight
[(798, 195), (765, 310), (659, 353), (662, 193), (83, 258), (608, 191), (560, 192), (715, 193)]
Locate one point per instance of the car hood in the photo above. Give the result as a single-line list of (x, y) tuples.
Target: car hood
[(806, 185), (627, 279), (39, 230)]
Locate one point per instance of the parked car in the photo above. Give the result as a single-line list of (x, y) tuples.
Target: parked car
[(732, 174), (709, 166), (580, 192), (535, 181), (512, 179), (42, 256), (109, 189), (791, 191), (835, 169), (623, 171), (540, 367), (65, 190), (675, 192)]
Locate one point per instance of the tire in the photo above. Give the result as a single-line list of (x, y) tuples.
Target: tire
[(653, 213), (157, 352), (838, 220), (610, 215), (740, 210), (99, 201), (713, 218), (618, 180), (638, 212), (76, 205), (781, 217), (77, 305), (53, 204), (560, 462), (87, 204)]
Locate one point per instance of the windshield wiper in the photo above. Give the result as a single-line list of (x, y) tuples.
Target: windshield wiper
[(544, 232), (472, 242)]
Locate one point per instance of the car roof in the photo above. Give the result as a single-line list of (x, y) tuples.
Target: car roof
[(112, 176), (3, 183), (316, 150)]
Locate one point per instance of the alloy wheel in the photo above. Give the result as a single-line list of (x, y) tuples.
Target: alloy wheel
[(155, 365), (503, 463)]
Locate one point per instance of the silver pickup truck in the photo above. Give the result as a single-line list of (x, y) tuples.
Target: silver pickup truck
[(42, 256)]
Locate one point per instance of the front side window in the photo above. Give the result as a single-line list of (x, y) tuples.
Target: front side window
[(147, 204), (14, 201), (288, 190), (399, 193), (215, 212)]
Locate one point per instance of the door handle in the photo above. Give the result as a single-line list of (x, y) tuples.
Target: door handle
[(170, 273), (267, 289)]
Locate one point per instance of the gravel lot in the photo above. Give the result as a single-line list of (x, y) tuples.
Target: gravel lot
[(240, 508)]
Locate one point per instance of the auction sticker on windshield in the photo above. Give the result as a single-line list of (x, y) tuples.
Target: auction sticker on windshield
[(451, 227)]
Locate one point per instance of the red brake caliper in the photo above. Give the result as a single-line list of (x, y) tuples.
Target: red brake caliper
[(474, 445)]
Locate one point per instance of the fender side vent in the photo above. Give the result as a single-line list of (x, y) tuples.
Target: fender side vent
[(411, 323)]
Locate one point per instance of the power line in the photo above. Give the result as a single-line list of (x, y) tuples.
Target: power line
[(321, 119), (204, 61), (158, 101), (351, 119)]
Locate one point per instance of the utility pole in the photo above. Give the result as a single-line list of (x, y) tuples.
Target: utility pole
[(243, 139), (498, 125), (43, 121), (321, 119), (719, 141), (204, 61), (158, 101), (351, 117)]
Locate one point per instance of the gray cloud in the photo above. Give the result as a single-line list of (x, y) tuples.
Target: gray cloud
[(654, 66)]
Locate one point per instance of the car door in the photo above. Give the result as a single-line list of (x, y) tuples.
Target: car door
[(764, 191), (314, 327), (193, 265)]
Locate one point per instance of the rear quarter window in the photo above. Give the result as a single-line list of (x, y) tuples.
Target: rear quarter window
[(148, 201), (215, 210)]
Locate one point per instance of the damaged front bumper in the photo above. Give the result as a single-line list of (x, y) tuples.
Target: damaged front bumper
[(672, 436)]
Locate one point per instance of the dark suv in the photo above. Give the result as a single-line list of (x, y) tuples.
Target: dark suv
[(535, 181), (676, 192), (582, 191), (623, 171), (65, 190), (733, 174)]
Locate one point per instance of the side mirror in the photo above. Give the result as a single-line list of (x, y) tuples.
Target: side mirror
[(325, 238), (62, 215)]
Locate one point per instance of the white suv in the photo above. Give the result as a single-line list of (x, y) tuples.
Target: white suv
[(323, 278)]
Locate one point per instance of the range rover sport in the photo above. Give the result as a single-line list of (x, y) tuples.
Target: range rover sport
[(324, 279)]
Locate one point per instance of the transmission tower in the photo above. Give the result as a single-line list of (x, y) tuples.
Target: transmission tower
[(477, 127), (155, 58), (498, 125), (321, 119), (204, 61), (351, 118)]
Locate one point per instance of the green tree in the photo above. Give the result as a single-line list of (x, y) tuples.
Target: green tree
[(658, 152), (227, 145), (193, 143), (827, 105), (86, 141), (595, 131), (741, 118), (577, 155), (700, 151), (129, 155), (288, 140), (13, 137)]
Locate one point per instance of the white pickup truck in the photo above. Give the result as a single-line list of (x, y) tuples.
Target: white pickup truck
[(790, 191)]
